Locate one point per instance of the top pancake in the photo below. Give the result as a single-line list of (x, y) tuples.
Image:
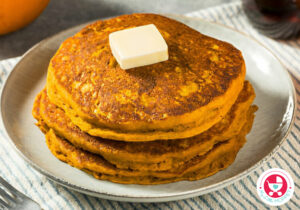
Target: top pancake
[(178, 98)]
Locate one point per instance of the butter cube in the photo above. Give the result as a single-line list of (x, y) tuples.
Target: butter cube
[(139, 46)]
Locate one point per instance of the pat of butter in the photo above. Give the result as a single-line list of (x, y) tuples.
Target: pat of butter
[(139, 46)]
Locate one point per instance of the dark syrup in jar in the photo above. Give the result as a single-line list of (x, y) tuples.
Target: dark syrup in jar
[(279, 19)]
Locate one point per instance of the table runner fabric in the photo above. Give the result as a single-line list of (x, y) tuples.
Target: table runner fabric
[(240, 195)]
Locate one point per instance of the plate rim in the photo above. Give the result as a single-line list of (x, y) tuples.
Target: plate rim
[(171, 197)]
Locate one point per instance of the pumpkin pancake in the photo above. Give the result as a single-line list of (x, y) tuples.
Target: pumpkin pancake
[(221, 156), (178, 98), (154, 155)]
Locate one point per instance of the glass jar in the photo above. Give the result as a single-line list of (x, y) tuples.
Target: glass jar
[(279, 19)]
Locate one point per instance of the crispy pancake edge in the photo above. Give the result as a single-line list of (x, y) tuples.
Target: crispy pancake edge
[(78, 158)]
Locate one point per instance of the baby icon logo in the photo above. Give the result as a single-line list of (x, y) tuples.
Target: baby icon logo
[(275, 186)]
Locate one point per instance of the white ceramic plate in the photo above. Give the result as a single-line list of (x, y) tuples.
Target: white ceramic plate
[(275, 98)]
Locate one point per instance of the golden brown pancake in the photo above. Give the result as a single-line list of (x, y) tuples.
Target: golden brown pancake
[(154, 155), (178, 98), (221, 156), (182, 119)]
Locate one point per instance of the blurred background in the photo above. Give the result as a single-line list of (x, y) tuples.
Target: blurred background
[(62, 14)]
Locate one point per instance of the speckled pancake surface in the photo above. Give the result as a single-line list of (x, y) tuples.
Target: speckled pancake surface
[(154, 155), (178, 98)]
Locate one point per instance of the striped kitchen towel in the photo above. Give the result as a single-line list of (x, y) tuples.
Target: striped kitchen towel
[(240, 195)]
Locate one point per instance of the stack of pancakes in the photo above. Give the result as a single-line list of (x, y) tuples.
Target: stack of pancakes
[(182, 119)]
